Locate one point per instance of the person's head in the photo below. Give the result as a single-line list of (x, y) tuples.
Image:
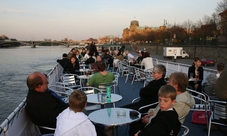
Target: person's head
[(197, 62), (159, 71), (98, 58), (220, 67), (77, 101), (119, 52), (77, 52), (146, 54), (166, 97), (73, 59), (101, 66), (37, 81), (107, 52), (90, 54), (83, 50), (126, 52), (64, 55), (179, 81)]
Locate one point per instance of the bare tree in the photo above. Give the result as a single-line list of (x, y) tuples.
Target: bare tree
[(221, 6)]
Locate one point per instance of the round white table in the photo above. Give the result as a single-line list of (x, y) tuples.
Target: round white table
[(93, 98), (109, 117)]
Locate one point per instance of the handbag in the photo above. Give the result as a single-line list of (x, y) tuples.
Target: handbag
[(199, 117)]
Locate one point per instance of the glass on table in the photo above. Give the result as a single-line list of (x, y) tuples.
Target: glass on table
[(101, 97), (197, 75), (191, 76), (121, 113), (87, 73)]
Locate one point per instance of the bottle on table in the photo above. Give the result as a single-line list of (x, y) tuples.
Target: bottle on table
[(108, 93)]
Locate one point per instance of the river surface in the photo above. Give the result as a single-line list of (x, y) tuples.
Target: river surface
[(15, 65)]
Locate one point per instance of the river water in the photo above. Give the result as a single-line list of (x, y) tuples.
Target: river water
[(15, 65)]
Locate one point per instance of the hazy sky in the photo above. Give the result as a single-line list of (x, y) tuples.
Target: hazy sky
[(81, 19)]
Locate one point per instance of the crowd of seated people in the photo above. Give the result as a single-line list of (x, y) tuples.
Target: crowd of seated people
[(148, 94)]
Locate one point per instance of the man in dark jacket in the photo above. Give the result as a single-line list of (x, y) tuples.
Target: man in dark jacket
[(42, 106), (64, 60)]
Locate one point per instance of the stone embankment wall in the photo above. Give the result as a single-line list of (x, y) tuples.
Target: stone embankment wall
[(219, 53)]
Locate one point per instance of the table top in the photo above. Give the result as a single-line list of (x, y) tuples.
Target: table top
[(109, 116), (193, 79), (93, 98), (85, 77)]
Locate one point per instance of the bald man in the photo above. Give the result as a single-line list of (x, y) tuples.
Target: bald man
[(42, 106)]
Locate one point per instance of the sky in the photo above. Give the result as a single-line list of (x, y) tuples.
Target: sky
[(82, 19)]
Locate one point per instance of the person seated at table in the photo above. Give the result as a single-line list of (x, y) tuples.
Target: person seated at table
[(102, 76), (94, 65), (64, 60), (129, 57), (140, 58), (73, 66), (147, 61), (166, 122), (149, 93), (119, 55), (42, 104), (184, 102), (72, 121), (208, 87), (90, 60), (78, 56), (83, 52), (109, 58), (86, 56), (196, 72)]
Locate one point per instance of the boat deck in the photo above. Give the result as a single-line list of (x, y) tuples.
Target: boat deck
[(130, 91)]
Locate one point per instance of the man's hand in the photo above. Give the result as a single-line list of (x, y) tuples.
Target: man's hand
[(145, 119), (136, 134)]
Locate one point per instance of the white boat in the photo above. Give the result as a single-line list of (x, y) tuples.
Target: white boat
[(19, 124)]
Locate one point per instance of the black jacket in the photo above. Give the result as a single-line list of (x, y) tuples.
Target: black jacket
[(165, 123), (72, 70), (63, 62), (43, 108), (148, 95)]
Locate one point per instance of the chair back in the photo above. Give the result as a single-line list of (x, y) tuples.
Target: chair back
[(217, 113), (103, 86), (62, 91), (89, 90), (200, 99), (69, 80)]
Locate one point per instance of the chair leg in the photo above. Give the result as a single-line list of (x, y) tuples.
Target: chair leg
[(133, 79), (126, 79), (118, 89)]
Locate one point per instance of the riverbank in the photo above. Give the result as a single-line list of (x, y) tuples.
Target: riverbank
[(214, 51)]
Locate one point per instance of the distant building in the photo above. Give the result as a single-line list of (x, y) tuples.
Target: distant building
[(136, 28), (110, 39)]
